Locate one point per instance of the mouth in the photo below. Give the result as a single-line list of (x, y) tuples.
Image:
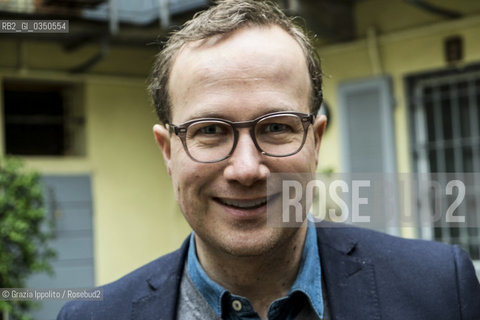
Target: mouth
[(245, 204)]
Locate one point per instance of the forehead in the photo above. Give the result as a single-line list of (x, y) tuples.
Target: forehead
[(259, 57)]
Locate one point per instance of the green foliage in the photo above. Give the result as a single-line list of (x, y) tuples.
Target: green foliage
[(24, 233)]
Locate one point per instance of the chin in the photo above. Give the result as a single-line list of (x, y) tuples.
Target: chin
[(250, 244), (245, 251)]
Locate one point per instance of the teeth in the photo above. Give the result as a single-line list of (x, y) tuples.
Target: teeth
[(244, 203)]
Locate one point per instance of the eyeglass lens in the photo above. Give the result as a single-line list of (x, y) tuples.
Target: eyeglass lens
[(278, 135)]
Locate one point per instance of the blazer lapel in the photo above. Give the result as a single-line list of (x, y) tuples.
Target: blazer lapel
[(350, 280), (160, 303)]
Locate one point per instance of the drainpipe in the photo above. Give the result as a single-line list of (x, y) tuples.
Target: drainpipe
[(113, 14), (374, 51), (164, 14)]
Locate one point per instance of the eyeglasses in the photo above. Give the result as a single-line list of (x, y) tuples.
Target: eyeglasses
[(278, 134)]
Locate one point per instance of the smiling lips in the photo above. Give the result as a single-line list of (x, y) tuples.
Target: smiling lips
[(244, 204)]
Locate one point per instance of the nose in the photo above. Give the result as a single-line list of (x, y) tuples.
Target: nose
[(245, 165)]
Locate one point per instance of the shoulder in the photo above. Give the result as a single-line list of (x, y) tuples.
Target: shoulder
[(380, 246), (394, 258), (118, 296), (425, 273)]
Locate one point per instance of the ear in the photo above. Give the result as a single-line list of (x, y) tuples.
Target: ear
[(162, 136), (318, 130)]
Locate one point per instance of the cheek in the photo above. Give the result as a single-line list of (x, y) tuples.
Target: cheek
[(190, 180), (180, 164), (309, 153), (184, 189), (302, 162), (180, 175)]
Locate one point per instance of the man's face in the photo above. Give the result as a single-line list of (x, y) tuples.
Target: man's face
[(238, 77)]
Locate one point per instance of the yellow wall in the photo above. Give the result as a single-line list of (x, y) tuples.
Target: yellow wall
[(136, 218)]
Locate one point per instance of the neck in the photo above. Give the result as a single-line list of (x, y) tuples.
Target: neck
[(262, 278)]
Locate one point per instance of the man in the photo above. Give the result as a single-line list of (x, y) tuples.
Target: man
[(237, 90)]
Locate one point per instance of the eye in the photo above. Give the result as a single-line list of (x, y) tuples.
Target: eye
[(275, 128), (211, 129)]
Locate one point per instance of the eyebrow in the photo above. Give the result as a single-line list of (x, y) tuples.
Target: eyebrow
[(219, 115)]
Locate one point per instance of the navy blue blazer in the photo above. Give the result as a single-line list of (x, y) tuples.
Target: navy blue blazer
[(368, 275)]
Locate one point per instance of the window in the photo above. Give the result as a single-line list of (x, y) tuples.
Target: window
[(445, 118), (43, 118)]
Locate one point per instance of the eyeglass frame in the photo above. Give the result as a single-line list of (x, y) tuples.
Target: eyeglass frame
[(306, 119)]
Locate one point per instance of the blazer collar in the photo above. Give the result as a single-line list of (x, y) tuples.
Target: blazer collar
[(349, 278), (160, 303)]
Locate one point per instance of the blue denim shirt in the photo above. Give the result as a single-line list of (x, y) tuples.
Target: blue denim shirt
[(307, 288)]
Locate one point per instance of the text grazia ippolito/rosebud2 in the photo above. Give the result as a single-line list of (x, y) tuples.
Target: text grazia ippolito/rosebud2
[(36, 294)]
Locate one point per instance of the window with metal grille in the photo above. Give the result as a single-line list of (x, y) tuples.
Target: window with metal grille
[(445, 119), (43, 118)]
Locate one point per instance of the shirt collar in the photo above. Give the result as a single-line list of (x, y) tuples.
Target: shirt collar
[(308, 279), (212, 291), (309, 275)]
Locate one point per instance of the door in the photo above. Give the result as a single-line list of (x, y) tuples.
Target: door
[(69, 206)]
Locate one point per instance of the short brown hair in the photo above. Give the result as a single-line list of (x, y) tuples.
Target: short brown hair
[(225, 17)]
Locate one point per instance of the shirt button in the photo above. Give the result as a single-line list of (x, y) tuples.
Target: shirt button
[(237, 305)]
